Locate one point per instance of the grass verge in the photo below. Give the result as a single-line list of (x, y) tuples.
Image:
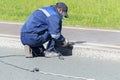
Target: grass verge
[(89, 13)]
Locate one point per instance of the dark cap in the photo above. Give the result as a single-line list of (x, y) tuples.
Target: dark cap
[(64, 8)]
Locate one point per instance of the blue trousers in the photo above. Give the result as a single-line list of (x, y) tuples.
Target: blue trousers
[(36, 41)]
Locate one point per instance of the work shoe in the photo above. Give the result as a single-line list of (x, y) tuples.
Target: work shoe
[(28, 51), (51, 54)]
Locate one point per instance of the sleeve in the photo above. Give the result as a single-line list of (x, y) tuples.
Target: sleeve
[(54, 28)]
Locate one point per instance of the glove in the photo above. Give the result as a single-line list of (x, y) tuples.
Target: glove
[(66, 43)]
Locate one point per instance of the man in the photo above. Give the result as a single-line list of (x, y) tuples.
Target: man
[(44, 24)]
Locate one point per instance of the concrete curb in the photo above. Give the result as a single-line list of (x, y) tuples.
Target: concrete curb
[(81, 50)]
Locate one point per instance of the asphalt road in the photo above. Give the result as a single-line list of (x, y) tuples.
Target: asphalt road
[(14, 66), (111, 37)]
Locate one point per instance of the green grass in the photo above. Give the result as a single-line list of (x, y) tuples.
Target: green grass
[(87, 13)]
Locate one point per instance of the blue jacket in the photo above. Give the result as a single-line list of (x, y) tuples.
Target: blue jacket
[(44, 19)]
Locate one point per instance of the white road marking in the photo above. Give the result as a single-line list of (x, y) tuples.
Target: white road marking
[(12, 36), (91, 29), (87, 43), (78, 28), (18, 23), (102, 45)]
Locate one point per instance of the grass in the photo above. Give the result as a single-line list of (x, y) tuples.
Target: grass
[(87, 13)]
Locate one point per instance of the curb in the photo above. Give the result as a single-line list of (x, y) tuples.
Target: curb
[(82, 50)]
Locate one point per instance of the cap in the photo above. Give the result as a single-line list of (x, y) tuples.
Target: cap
[(64, 8)]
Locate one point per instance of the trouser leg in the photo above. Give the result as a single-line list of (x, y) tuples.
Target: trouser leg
[(51, 45), (38, 51), (41, 39)]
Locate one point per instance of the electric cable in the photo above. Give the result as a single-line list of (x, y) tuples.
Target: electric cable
[(43, 72)]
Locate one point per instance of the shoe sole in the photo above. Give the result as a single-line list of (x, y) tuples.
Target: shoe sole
[(50, 55), (28, 52)]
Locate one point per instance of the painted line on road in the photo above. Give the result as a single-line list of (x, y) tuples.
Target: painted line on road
[(102, 45), (65, 76), (78, 28), (18, 23), (11, 36), (87, 43), (91, 29)]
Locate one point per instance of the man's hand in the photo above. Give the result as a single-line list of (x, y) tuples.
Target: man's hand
[(66, 43)]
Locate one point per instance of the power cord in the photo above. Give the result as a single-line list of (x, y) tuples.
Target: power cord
[(42, 72)]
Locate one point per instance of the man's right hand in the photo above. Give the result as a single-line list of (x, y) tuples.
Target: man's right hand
[(66, 43)]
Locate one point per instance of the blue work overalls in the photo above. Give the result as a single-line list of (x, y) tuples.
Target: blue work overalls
[(44, 24)]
